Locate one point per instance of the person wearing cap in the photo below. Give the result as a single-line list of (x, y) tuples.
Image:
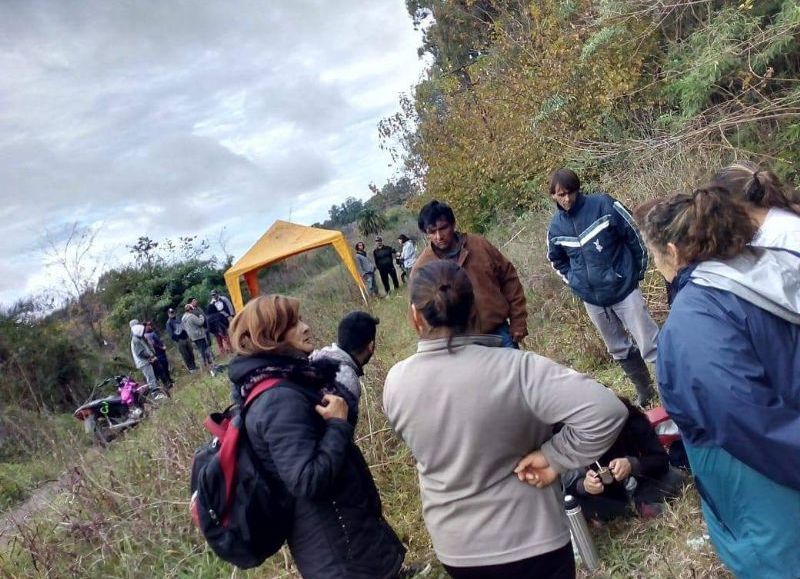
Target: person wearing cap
[(384, 260), (142, 353), (194, 322), (500, 307), (222, 304), (354, 347), (181, 339)]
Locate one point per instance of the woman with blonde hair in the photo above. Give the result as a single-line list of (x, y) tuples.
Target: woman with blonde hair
[(774, 206), (302, 431)]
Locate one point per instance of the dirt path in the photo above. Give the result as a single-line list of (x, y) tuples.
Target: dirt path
[(42, 498)]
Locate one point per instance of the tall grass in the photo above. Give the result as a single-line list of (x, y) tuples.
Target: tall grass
[(126, 511)]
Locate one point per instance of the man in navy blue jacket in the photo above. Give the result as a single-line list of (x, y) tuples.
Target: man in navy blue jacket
[(595, 247)]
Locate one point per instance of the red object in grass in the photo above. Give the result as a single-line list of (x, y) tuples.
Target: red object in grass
[(666, 429)]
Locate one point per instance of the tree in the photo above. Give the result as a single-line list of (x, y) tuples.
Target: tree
[(370, 221), (144, 252), (74, 256)]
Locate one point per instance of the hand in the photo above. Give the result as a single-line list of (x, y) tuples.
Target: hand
[(535, 470), (620, 468), (592, 483), (332, 407)]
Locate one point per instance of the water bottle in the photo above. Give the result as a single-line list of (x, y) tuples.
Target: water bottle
[(581, 539)]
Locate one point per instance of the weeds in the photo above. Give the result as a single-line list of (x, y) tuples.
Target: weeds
[(126, 512)]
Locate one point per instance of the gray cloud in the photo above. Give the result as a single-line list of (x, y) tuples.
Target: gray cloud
[(174, 118)]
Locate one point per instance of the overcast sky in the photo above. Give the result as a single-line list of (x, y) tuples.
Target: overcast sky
[(179, 117)]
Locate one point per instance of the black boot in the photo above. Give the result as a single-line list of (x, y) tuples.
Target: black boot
[(636, 370)]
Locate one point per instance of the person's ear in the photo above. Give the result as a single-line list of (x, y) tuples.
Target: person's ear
[(416, 319), (673, 253), (371, 347)]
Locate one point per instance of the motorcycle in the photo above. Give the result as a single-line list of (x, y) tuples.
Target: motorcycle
[(103, 418)]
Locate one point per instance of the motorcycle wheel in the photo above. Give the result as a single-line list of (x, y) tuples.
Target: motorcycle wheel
[(103, 433)]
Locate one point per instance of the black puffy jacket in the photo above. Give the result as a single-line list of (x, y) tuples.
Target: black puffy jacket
[(338, 528), (596, 248)]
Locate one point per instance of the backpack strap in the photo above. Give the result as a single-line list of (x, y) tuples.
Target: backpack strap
[(259, 389)]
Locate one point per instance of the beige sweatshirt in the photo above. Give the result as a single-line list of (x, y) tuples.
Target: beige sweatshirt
[(468, 416)]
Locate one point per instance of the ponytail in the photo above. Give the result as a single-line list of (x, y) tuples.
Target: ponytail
[(442, 292), (704, 225), (747, 182)]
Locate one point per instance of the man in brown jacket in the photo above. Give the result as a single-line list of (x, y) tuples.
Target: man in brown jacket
[(500, 307)]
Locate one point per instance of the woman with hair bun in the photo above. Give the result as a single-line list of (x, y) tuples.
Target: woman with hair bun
[(302, 431), (774, 206), (729, 374), (479, 419)]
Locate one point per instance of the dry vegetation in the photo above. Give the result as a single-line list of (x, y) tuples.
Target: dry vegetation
[(125, 512)]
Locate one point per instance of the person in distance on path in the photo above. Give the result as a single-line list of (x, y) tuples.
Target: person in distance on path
[(384, 261)]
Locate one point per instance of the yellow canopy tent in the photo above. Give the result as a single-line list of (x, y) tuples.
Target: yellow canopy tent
[(284, 240)]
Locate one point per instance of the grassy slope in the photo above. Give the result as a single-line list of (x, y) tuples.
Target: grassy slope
[(126, 514), (45, 445)]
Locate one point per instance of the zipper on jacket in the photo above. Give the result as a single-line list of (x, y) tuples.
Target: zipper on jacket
[(585, 265), (344, 529)]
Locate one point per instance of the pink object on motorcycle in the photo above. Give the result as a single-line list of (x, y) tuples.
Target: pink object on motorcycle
[(126, 391)]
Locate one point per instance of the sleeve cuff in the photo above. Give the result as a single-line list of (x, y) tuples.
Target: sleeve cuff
[(552, 458)]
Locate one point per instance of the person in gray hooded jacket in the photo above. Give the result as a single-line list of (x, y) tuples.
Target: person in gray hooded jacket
[(194, 322), (354, 347), (143, 354), (479, 420)]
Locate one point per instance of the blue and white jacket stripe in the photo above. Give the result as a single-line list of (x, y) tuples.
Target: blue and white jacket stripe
[(596, 248)]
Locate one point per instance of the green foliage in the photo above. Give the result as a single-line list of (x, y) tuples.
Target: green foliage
[(145, 293), (371, 221), (345, 213), (40, 367), (517, 89)]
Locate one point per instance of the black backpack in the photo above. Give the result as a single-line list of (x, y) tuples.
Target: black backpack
[(239, 512)]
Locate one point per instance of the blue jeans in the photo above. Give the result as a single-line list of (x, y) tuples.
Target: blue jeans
[(504, 331)]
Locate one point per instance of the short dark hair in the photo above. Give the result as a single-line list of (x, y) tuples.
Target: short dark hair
[(433, 212), (566, 178), (402, 237), (356, 331)]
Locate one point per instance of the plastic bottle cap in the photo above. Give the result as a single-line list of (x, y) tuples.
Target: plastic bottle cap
[(570, 502)]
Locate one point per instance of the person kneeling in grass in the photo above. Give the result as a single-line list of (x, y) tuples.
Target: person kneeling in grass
[(634, 472)]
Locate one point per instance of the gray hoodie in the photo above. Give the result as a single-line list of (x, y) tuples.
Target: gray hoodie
[(195, 325), (141, 350), (349, 371), (469, 414), (767, 278)]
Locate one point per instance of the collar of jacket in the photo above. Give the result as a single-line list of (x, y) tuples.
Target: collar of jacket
[(462, 253), (579, 201), (683, 276), (344, 357), (456, 341)]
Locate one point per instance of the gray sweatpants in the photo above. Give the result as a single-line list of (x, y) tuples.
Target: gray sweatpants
[(149, 375), (628, 316)]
